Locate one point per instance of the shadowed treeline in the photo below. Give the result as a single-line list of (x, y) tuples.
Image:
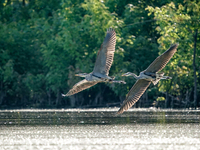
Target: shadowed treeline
[(43, 44)]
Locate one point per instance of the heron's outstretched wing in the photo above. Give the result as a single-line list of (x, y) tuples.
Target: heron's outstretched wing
[(134, 94), (160, 62), (106, 53), (80, 86)]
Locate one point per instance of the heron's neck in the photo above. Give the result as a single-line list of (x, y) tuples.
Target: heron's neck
[(135, 76)]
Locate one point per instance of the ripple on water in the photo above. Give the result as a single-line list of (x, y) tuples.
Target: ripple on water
[(99, 129), (134, 136)]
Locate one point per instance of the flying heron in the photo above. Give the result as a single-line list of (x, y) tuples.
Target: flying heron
[(146, 77), (101, 68)]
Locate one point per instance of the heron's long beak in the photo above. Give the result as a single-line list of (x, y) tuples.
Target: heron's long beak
[(81, 75)]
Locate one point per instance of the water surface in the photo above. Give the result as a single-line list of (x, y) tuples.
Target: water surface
[(99, 129)]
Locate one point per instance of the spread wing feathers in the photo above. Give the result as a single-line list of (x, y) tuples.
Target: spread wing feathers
[(106, 53), (80, 86), (134, 94), (160, 62)]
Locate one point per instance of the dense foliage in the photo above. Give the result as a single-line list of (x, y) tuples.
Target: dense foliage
[(43, 44)]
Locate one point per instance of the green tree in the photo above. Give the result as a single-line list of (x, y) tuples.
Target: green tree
[(180, 24), (21, 65)]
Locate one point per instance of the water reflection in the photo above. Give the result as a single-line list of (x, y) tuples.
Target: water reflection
[(96, 116)]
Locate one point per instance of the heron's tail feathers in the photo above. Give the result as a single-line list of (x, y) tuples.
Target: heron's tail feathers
[(64, 95), (159, 78), (110, 29), (160, 74), (113, 77), (155, 81)]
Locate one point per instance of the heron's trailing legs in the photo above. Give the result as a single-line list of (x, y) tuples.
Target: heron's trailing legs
[(166, 77), (115, 81), (64, 95), (158, 75)]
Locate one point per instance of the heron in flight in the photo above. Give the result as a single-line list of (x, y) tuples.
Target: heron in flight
[(101, 68), (146, 77)]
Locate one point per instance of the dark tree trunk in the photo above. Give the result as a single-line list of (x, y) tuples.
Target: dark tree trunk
[(8, 2), (72, 100), (49, 96), (166, 99), (2, 95), (99, 98), (58, 98), (172, 102), (194, 67), (23, 3)]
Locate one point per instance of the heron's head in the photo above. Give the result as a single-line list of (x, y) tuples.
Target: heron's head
[(81, 74), (127, 74)]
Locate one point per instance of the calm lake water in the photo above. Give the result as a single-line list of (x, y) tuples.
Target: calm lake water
[(99, 129)]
